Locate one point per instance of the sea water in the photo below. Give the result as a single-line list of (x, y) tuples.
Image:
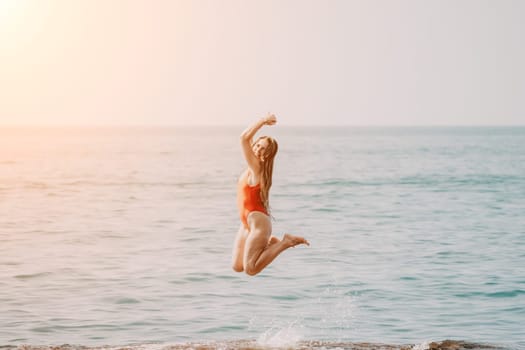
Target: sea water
[(118, 236)]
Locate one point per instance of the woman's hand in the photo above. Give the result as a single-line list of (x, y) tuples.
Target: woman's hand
[(270, 119)]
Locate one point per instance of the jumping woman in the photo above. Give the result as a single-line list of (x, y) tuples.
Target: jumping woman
[(254, 246)]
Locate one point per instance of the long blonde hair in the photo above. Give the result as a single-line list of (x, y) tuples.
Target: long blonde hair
[(267, 170)]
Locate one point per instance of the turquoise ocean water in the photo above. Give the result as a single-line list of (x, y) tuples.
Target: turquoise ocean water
[(118, 236)]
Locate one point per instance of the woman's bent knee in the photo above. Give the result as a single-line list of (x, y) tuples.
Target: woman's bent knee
[(250, 270)]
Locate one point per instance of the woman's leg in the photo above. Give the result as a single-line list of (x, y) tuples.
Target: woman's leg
[(273, 240), (260, 248), (238, 249)]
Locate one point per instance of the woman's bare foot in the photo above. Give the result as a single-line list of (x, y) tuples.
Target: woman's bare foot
[(292, 241)]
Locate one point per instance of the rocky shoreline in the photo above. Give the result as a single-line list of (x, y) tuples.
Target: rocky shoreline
[(252, 345)]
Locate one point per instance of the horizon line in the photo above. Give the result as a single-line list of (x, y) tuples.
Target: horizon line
[(244, 125)]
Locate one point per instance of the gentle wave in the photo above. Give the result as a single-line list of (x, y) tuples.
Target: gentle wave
[(427, 180), (32, 275), (501, 294)]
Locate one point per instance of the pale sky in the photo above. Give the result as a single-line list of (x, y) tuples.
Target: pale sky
[(227, 62)]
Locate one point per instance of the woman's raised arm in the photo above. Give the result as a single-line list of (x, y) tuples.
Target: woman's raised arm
[(247, 140)]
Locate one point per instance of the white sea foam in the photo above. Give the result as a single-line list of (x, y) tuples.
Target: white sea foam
[(422, 346), (281, 337)]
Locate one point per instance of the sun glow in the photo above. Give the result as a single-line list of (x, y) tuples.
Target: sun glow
[(9, 11), (17, 19)]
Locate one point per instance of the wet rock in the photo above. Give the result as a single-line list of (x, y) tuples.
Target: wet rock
[(457, 345)]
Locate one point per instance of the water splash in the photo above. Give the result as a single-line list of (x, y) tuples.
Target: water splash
[(423, 346), (337, 312), (281, 337)]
